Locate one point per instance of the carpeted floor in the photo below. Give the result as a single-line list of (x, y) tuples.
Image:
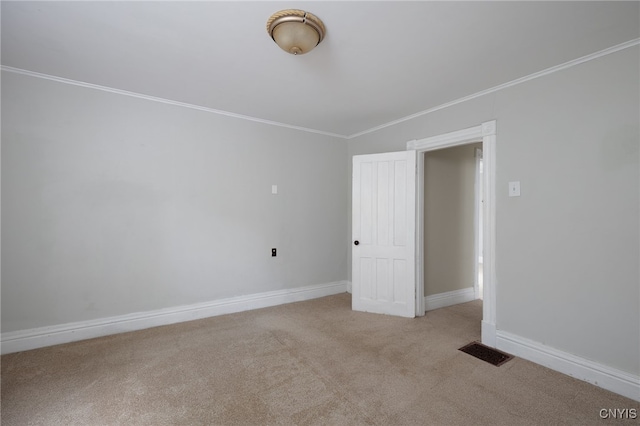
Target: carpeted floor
[(314, 362)]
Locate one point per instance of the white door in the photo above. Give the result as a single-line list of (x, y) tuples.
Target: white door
[(383, 243)]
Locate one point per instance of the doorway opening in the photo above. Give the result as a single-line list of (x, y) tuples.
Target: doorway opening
[(478, 201), (485, 132), (452, 261)]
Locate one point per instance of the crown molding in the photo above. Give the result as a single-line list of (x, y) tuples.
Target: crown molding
[(515, 82), (163, 100), (551, 70)]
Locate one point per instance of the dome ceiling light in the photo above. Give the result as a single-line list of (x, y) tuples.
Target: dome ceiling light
[(295, 31)]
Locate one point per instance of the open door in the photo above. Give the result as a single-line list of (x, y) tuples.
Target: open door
[(383, 243)]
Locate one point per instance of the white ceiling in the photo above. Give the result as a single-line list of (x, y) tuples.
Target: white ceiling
[(380, 61)]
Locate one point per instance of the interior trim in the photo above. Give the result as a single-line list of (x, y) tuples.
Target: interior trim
[(449, 298), (22, 340), (515, 82), (595, 373), (485, 132), (162, 100), (524, 79)]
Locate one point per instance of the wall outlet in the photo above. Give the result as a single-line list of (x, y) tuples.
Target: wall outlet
[(273, 252)]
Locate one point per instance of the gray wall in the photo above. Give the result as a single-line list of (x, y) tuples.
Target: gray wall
[(114, 205), (568, 249), (449, 215)]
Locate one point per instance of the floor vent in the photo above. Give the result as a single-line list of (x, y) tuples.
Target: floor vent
[(485, 353)]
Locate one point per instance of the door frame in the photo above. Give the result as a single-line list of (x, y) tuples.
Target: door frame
[(485, 132)]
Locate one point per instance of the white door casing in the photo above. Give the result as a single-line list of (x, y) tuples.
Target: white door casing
[(384, 218), (485, 132)]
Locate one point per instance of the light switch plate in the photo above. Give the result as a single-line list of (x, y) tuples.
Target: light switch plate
[(274, 189), (514, 189)]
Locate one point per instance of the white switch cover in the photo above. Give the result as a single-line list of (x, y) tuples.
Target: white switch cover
[(514, 189), (274, 189)]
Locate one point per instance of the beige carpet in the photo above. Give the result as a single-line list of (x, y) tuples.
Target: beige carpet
[(313, 362)]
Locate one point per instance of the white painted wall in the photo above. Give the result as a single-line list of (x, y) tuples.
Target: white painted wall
[(449, 202), (114, 205), (568, 249)]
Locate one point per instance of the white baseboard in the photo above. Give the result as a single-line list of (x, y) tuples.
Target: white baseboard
[(34, 338), (349, 287), (442, 300), (617, 381)]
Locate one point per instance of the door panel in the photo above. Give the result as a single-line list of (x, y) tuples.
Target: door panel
[(383, 223)]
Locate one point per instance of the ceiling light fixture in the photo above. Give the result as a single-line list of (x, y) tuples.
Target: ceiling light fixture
[(295, 31)]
